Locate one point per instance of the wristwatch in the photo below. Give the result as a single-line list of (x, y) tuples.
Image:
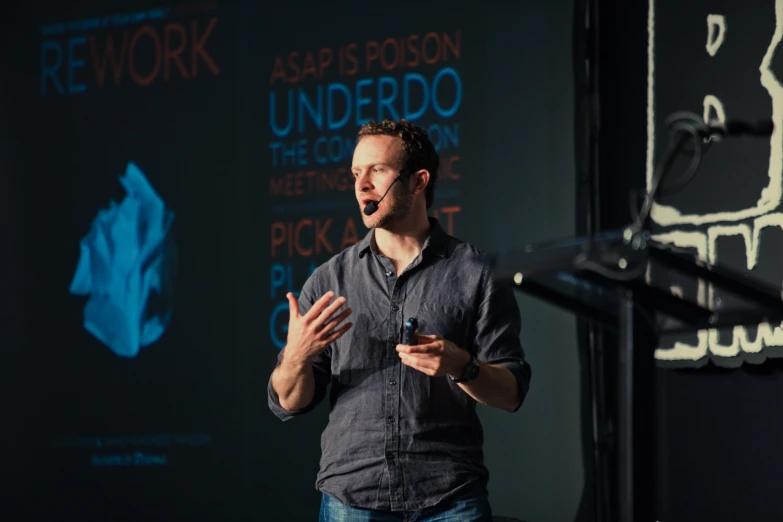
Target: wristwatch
[(470, 372)]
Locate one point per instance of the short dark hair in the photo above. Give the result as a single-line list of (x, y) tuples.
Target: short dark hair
[(419, 152)]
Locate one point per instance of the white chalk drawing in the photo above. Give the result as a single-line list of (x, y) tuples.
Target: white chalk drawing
[(713, 104), (701, 232), (714, 41), (771, 195)]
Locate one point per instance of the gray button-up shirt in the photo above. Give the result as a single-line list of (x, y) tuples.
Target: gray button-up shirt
[(398, 439)]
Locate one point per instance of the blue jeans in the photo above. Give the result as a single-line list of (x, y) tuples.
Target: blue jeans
[(472, 507)]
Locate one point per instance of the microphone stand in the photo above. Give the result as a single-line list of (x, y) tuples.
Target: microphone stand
[(587, 282), (635, 372), (686, 127)]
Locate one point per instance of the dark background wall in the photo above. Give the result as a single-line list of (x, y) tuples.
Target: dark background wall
[(12, 260), (181, 429), (537, 124)]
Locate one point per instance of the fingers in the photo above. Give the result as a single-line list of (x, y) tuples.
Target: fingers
[(293, 305), (420, 349), (317, 310), (337, 320), (338, 333), (319, 305), (327, 313), (426, 366)]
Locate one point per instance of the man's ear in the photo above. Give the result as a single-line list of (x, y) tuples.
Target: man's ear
[(420, 180)]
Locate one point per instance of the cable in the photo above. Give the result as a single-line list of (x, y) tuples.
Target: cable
[(690, 123), (685, 128)]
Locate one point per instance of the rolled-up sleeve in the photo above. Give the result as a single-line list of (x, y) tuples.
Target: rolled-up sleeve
[(498, 329), (321, 364)]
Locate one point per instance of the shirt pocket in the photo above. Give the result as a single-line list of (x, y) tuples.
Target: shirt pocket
[(447, 322)]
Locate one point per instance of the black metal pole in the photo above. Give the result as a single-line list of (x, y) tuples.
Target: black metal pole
[(595, 504), (625, 409)]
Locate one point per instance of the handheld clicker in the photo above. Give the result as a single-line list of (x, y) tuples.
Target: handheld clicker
[(410, 336)]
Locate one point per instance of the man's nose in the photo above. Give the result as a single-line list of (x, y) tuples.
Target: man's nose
[(363, 182)]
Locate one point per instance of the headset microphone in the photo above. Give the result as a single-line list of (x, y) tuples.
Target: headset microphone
[(372, 206)]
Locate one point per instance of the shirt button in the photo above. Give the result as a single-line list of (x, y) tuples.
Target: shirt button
[(390, 420), (395, 308), (388, 273), (392, 382)]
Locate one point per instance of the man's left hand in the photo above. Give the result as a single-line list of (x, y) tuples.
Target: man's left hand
[(434, 356)]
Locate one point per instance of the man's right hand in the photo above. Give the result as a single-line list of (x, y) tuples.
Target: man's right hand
[(311, 333)]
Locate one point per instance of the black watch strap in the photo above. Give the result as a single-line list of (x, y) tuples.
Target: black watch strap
[(469, 373)]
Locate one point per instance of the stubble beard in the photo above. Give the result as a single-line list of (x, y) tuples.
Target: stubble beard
[(398, 207)]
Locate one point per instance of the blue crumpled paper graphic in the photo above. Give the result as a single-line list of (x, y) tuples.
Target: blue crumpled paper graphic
[(127, 266)]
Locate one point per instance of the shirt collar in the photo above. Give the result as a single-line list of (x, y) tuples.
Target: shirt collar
[(437, 241)]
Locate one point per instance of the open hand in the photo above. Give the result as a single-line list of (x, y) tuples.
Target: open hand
[(311, 333), (434, 356)]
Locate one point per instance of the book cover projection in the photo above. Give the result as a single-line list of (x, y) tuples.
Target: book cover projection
[(127, 269)]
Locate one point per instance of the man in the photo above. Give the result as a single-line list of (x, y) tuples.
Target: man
[(403, 440)]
